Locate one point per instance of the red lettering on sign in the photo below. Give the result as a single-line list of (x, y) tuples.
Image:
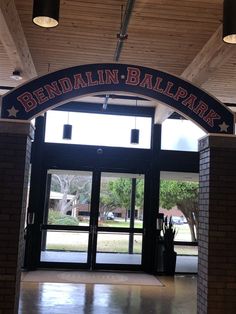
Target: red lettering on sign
[(39, 94), (157, 87), (201, 109), (133, 76), (167, 89), (79, 81), (147, 81), (27, 100), (100, 77), (112, 76), (66, 85), (210, 117), (190, 101), (90, 79), (181, 93), (52, 90)]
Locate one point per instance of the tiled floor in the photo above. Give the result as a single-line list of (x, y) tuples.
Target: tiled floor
[(177, 296)]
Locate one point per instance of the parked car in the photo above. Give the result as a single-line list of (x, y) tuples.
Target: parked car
[(178, 220), (110, 216)]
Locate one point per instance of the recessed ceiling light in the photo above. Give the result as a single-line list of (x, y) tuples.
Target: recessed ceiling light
[(16, 76)]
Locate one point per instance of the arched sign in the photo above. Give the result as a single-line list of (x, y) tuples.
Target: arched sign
[(54, 89)]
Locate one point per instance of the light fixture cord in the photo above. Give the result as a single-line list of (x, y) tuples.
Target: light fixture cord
[(68, 117)]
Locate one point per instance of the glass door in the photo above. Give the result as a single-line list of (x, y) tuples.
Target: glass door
[(66, 229), (93, 220), (120, 223)]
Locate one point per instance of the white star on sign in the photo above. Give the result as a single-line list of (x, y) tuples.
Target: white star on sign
[(12, 112), (223, 127)]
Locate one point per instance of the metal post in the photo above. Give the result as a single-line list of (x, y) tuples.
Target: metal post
[(132, 215)]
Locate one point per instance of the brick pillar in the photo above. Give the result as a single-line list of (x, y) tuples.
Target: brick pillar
[(15, 148), (217, 225)]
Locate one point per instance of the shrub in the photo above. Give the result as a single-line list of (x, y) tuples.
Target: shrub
[(57, 218)]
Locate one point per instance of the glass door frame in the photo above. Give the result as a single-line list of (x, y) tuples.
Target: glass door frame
[(92, 229), (44, 227), (121, 230)]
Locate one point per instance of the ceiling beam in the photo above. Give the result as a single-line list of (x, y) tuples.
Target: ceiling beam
[(211, 57), (14, 41), (162, 112)]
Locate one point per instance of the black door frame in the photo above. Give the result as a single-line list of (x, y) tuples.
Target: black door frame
[(92, 229), (121, 230), (58, 156)]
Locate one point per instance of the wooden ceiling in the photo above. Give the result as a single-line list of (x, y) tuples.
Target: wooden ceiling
[(180, 37)]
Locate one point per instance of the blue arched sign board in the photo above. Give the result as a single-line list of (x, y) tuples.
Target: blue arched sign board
[(51, 90)]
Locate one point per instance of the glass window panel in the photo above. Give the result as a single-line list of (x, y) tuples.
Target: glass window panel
[(180, 134), (97, 129), (69, 198), (64, 246), (115, 200), (118, 242), (186, 250), (179, 201), (115, 248), (187, 259)]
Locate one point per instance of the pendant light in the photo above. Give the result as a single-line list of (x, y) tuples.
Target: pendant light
[(229, 21), (134, 136), (46, 13), (16, 75), (67, 130)]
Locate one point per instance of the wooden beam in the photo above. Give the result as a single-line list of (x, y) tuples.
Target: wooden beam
[(162, 112), (14, 41), (211, 57), (226, 99)]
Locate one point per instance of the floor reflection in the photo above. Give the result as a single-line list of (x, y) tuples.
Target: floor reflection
[(177, 296)]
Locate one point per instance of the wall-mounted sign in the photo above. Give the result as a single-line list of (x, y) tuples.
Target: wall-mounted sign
[(54, 89)]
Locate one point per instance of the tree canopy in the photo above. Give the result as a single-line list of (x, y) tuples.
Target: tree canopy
[(78, 186), (184, 195), (117, 193)]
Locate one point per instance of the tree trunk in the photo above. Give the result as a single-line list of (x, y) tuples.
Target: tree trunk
[(196, 215), (189, 210), (192, 231)]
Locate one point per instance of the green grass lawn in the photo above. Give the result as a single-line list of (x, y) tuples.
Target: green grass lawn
[(107, 243), (114, 223), (119, 223), (111, 242)]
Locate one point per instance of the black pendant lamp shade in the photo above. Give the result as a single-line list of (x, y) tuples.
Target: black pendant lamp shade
[(134, 136), (229, 21), (67, 131), (46, 13), (134, 139)]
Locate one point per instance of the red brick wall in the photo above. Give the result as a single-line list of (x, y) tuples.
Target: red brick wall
[(217, 226), (15, 145)]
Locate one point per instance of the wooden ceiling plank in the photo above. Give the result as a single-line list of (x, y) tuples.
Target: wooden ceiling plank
[(14, 40), (211, 57)]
